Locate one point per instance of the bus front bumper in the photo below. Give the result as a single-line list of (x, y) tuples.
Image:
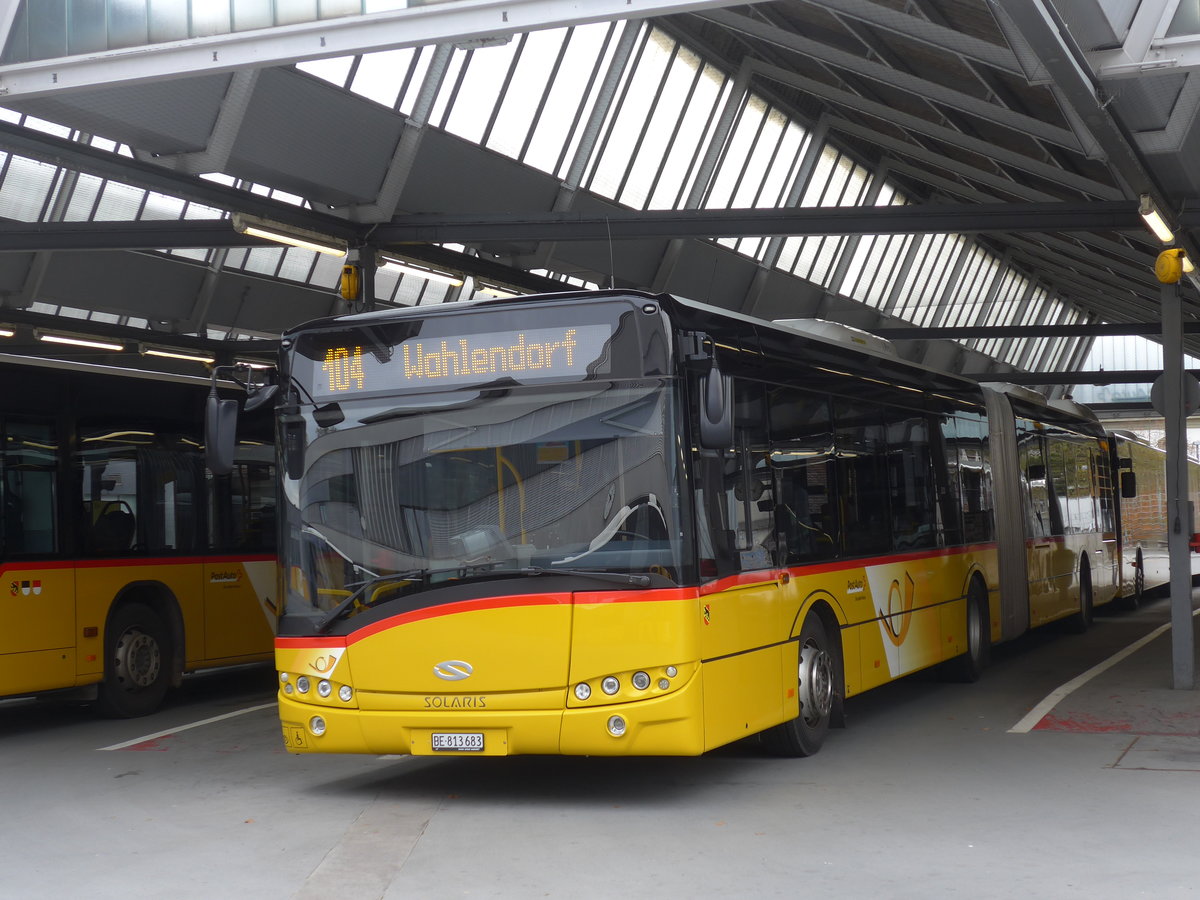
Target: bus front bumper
[(670, 725)]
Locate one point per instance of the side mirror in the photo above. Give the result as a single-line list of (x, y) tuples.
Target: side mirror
[(220, 433), (716, 410), (260, 396), (1128, 485)]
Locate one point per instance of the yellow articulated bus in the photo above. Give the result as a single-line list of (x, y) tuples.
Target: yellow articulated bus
[(615, 523), (1142, 468), (123, 563)]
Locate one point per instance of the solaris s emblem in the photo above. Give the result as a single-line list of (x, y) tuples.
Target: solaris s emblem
[(453, 670)]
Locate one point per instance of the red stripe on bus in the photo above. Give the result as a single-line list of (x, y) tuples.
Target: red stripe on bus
[(768, 576), (128, 562)]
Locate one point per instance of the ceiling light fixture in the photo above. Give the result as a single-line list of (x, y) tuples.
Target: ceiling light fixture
[(396, 265), (493, 291), (1154, 221), (288, 234), (78, 341), (178, 354)]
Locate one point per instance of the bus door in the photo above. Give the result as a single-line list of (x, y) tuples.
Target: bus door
[(742, 605), (37, 597), (240, 579), (1043, 530)]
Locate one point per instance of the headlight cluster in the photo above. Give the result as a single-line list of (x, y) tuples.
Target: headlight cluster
[(313, 690), (625, 686)]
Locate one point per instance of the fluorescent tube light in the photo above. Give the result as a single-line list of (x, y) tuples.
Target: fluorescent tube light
[(286, 234), (178, 354), (79, 342), (1154, 221), (428, 274)]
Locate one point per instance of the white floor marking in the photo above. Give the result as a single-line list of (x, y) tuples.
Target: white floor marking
[(1056, 696), (179, 728)]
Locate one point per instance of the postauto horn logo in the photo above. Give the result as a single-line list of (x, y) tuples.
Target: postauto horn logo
[(453, 670)]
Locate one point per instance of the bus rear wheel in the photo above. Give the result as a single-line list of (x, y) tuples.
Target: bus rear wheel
[(804, 735), (137, 662)]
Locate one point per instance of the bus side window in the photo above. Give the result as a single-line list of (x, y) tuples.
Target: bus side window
[(862, 478), (242, 512), (108, 472), (801, 457), (28, 489)]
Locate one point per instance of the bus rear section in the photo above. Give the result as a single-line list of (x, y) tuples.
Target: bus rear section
[(125, 563)]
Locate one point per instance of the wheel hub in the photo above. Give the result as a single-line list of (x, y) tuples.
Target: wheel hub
[(138, 659), (816, 683)]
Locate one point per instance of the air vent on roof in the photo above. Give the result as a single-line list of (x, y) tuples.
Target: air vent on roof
[(840, 334)]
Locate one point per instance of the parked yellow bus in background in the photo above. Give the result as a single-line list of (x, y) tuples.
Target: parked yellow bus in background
[(124, 563)]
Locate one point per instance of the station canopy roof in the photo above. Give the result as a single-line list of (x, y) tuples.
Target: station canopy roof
[(965, 176)]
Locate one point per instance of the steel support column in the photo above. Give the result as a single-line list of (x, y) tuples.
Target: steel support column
[(1179, 507)]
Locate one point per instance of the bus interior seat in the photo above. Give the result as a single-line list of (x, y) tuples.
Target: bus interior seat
[(114, 530)]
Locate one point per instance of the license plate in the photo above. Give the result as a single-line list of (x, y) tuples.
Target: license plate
[(458, 740)]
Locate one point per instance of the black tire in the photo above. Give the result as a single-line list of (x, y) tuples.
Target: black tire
[(1082, 620), (1134, 600), (817, 676), (970, 665), (137, 662)]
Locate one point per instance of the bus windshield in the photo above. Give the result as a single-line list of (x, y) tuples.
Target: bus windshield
[(410, 493)]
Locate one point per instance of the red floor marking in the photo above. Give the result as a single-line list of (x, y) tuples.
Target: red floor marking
[(1081, 723)]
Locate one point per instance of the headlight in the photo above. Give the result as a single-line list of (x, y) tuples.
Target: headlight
[(583, 690), (324, 688), (641, 680), (610, 685), (302, 684), (345, 692)]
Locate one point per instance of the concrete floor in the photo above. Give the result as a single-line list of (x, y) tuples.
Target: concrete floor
[(926, 794)]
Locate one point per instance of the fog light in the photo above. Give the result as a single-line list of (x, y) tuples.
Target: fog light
[(324, 688), (583, 690), (345, 692), (302, 684), (316, 725), (672, 671), (616, 726), (641, 680), (610, 685)]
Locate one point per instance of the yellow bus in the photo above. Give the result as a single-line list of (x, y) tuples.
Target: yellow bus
[(124, 563), (612, 522), (1145, 561)]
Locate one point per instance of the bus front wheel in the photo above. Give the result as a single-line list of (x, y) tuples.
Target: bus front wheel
[(137, 662), (804, 735)]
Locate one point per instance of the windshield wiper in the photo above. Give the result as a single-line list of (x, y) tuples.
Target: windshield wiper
[(618, 577), (336, 613)]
